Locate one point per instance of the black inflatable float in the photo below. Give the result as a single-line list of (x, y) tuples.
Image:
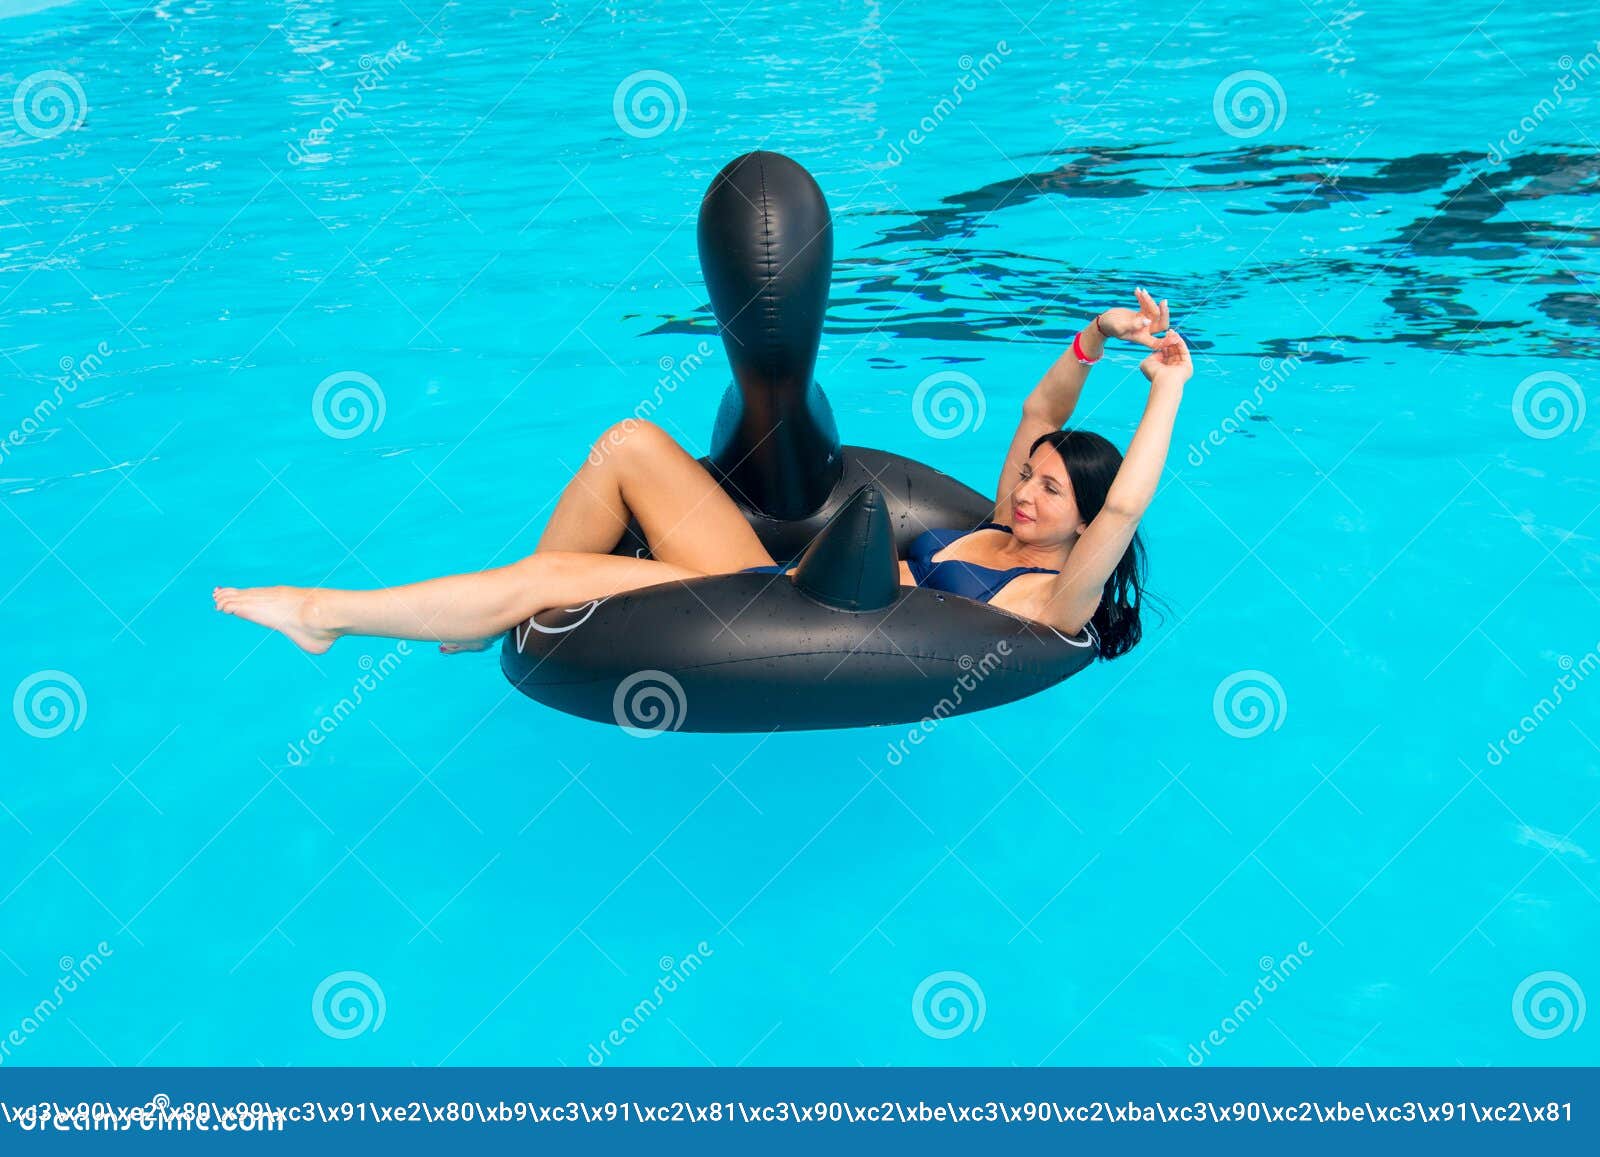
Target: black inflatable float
[(841, 643)]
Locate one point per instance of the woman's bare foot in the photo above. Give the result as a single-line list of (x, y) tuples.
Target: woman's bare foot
[(285, 609), (462, 648)]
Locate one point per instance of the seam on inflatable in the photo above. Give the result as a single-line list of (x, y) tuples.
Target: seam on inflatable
[(769, 297)]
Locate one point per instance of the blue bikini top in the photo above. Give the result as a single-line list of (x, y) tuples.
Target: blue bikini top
[(967, 579)]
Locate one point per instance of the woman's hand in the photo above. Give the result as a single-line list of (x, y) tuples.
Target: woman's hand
[(1140, 325), (1170, 362)]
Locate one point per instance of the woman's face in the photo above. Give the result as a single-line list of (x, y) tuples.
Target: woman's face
[(1043, 508)]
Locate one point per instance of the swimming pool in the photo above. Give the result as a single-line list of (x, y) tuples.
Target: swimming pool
[(1307, 821)]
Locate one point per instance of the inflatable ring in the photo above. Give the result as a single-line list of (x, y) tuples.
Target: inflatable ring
[(841, 643)]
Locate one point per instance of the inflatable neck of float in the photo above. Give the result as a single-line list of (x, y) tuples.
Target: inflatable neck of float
[(766, 251), (841, 643)]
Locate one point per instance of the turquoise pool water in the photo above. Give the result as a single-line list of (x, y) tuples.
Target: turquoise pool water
[(1306, 818)]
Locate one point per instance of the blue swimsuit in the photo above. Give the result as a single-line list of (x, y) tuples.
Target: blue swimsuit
[(967, 579)]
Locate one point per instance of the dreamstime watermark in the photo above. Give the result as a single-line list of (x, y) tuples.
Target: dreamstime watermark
[(1572, 72), (376, 671), (347, 404), (74, 973), (1274, 974), (74, 372), (948, 404), (973, 73), (49, 703), (49, 103), (674, 372), (1573, 673), (648, 103), (1249, 703), (974, 672), (1274, 373), (674, 974), (1548, 404), (948, 1004), (1548, 1004), (1248, 103), (374, 71), (347, 1004), (648, 703)]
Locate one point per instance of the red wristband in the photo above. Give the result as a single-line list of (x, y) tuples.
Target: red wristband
[(1077, 351)]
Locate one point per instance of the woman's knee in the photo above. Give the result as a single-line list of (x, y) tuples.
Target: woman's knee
[(630, 439), (533, 570), (554, 570)]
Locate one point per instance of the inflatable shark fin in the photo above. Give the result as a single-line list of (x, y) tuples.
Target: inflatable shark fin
[(852, 564)]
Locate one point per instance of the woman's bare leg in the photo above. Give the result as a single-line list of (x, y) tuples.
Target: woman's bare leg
[(456, 608), (591, 515), (636, 468)]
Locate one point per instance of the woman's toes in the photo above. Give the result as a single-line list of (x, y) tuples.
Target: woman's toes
[(289, 610), (463, 648)]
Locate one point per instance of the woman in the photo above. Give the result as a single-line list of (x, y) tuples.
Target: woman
[(1062, 547)]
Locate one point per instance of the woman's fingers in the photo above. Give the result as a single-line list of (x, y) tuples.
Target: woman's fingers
[(1155, 310), (1156, 317)]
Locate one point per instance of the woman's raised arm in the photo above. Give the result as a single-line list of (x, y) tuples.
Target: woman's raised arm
[(1052, 401), (1076, 593)]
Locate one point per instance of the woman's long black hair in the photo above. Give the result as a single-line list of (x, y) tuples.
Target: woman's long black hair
[(1092, 463)]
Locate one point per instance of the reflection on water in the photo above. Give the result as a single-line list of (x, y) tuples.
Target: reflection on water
[(1440, 225)]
